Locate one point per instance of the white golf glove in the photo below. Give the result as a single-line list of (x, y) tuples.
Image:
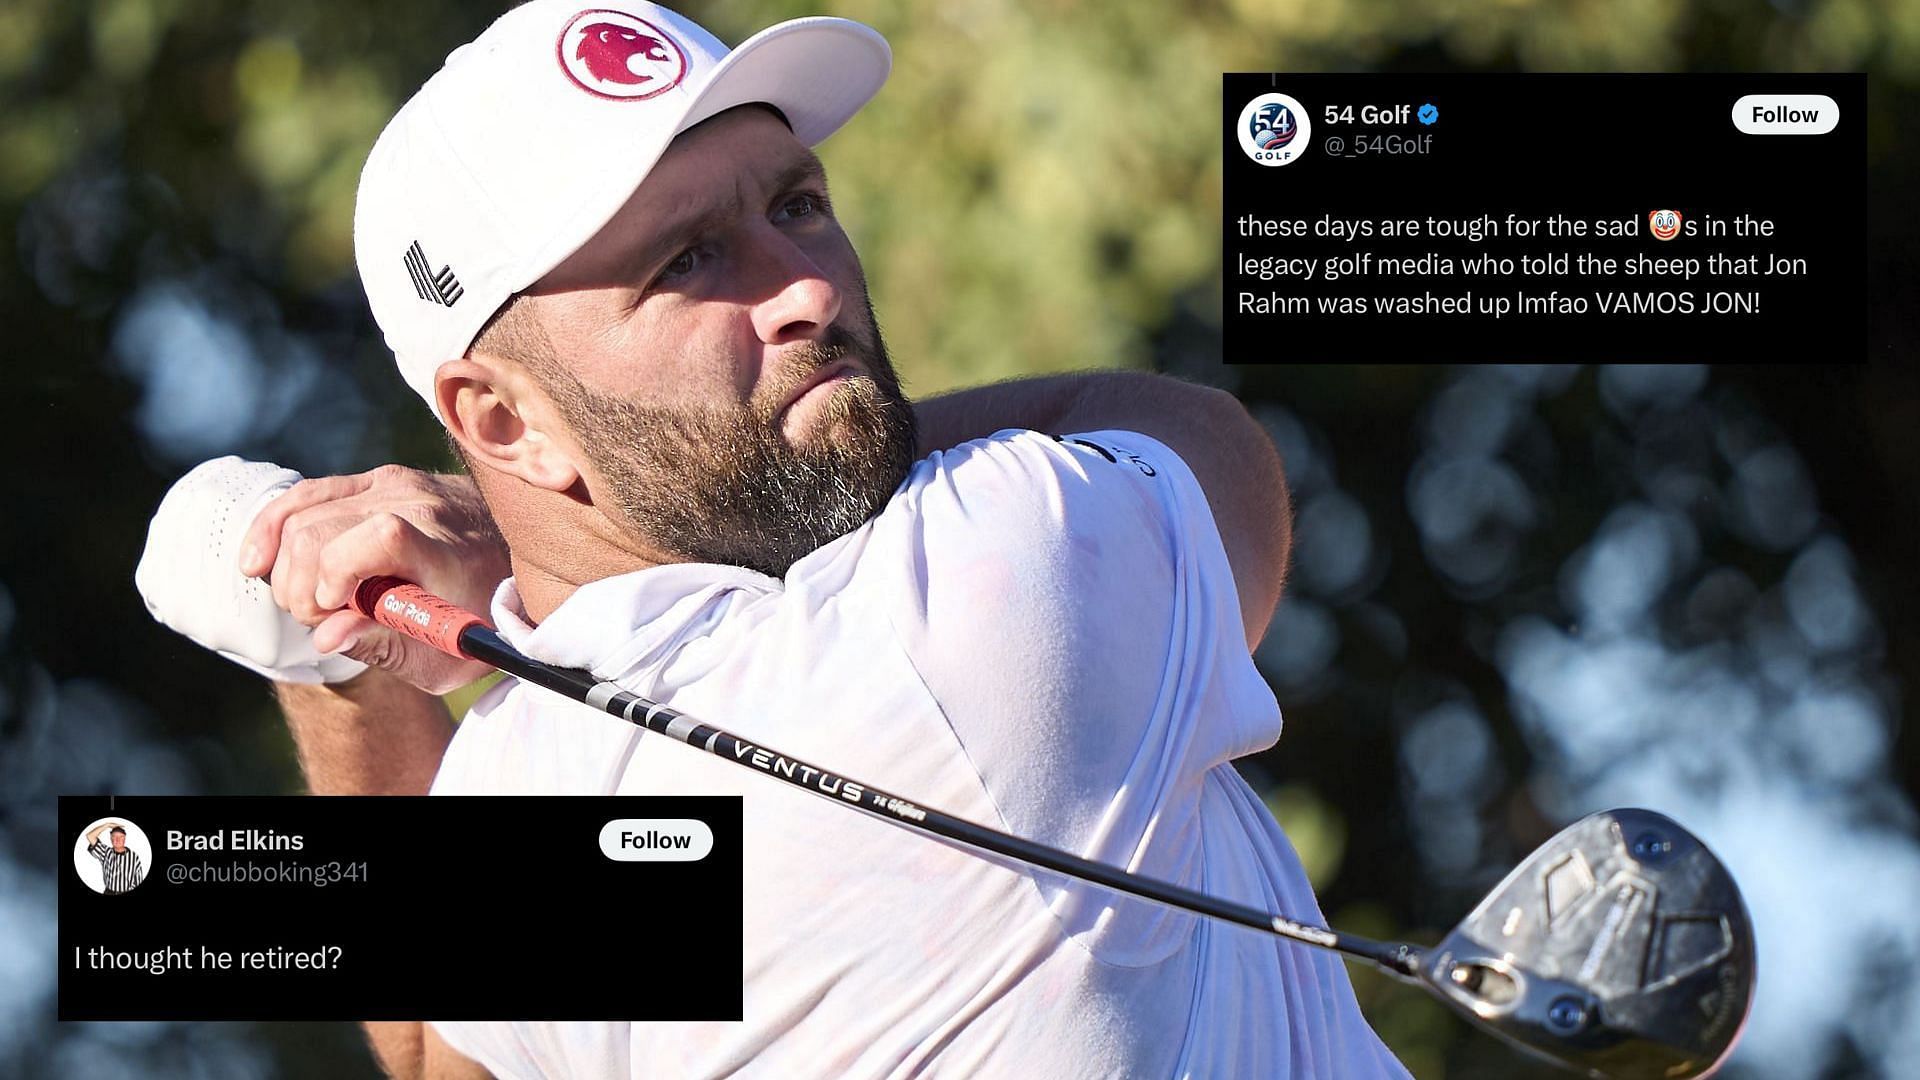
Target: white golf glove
[(190, 575)]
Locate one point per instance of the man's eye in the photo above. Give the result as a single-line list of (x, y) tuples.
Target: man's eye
[(682, 265), (804, 204)]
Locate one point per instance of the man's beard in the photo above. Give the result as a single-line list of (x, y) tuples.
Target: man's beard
[(723, 485)]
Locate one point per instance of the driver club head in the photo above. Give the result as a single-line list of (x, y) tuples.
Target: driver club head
[(1620, 948)]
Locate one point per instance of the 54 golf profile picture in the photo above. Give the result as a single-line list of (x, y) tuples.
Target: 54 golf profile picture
[(1275, 129)]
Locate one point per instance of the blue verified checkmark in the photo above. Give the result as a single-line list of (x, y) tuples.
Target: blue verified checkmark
[(1428, 114)]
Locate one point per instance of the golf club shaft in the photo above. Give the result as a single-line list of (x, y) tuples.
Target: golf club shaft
[(408, 608)]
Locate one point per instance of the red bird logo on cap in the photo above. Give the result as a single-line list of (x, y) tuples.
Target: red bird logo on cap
[(606, 48)]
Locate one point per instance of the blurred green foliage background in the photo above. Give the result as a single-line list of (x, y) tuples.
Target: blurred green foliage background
[(1036, 189)]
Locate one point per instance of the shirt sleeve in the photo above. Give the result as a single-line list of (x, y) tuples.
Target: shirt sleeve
[(99, 850), (1069, 605)]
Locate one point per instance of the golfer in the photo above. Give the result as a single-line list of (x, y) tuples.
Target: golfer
[(604, 255)]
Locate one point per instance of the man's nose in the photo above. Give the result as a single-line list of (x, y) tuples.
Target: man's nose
[(801, 301)]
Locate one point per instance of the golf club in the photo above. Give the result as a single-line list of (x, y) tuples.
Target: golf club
[(1620, 948)]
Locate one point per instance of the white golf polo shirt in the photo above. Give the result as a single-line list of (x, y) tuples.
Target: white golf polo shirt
[(1038, 634)]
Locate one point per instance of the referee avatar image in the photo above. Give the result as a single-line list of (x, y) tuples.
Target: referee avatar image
[(604, 255), (120, 869)]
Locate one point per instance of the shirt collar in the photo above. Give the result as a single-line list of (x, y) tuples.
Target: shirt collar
[(607, 626)]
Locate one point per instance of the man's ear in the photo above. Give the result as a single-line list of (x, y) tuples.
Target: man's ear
[(503, 421)]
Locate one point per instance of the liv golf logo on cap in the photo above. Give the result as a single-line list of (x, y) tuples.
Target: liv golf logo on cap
[(612, 54), (1275, 129)]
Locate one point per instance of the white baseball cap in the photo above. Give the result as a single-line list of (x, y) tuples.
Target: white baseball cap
[(535, 134)]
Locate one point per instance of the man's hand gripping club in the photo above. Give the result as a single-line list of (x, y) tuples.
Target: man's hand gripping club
[(259, 565)]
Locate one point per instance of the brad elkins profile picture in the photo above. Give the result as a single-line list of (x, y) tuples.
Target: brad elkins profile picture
[(112, 856)]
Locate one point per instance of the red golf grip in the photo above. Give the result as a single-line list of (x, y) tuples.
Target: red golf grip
[(415, 612)]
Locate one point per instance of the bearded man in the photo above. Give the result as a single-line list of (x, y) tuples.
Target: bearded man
[(605, 256)]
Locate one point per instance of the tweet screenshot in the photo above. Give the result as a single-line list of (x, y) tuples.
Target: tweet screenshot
[(1462, 218), (356, 908)]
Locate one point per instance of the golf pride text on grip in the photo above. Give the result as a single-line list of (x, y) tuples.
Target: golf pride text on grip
[(406, 607)]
